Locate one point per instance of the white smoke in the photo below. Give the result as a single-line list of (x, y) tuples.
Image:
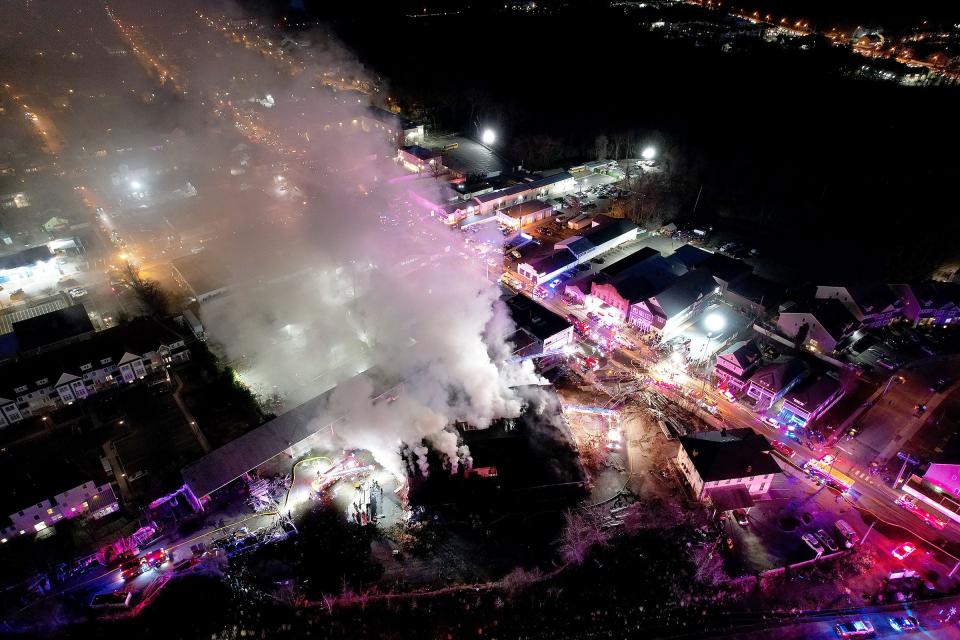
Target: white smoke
[(352, 275)]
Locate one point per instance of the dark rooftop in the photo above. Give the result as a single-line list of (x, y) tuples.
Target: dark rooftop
[(759, 290), (627, 262), (777, 375), (52, 328), (25, 258), (729, 454), (685, 291), (137, 337), (835, 318), (559, 259), (689, 256), (810, 395), (725, 268), (534, 318), (525, 208)]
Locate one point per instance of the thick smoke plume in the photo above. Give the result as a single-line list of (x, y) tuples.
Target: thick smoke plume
[(343, 272)]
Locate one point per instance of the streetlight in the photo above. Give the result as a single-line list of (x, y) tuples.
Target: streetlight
[(714, 322), (649, 153), (488, 137)]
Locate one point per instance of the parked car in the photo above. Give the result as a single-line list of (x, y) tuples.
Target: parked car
[(131, 569), (782, 449), (741, 517), (940, 385), (902, 624), (847, 532), (812, 542), (859, 628), (827, 541), (888, 363), (901, 552), (77, 292)]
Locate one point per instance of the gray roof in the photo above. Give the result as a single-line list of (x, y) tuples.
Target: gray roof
[(556, 261), (224, 465), (775, 376), (689, 256), (830, 314), (524, 186), (744, 353), (685, 291)]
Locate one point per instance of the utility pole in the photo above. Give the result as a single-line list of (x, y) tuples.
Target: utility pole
[(697, 203)]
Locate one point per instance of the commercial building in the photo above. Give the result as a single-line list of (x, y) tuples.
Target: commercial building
[(632, 280), (770, 383), (72, 372), (605, 234), (724, 269), (754, 295), (727, 461), (546, 330), (938, 488), (735, 365), (542, 188), (809, 400), (285, 437), (930, 303), (52, 330), (525, 213), (819, 325), (610, 233), (394, 127), (667, 310), (873, 305), (419, 159), (547, 267), (38, 510)]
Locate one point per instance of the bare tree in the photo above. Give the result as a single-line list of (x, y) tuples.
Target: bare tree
[(601, 146), (149, 292)]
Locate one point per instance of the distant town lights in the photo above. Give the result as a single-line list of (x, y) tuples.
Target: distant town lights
[(649, 153), (488, 137)]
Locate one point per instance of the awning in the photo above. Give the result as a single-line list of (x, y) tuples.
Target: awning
[(730, 498)]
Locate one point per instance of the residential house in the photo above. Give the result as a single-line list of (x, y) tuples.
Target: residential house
[(809, 400), (725, 460), (874, 304), (117, 356), (930, 303), (820, 325), (735, 365), (37, 510), (771, 382)]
